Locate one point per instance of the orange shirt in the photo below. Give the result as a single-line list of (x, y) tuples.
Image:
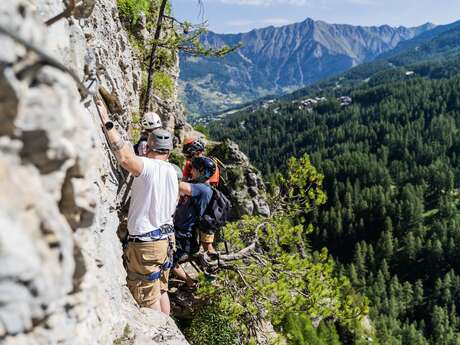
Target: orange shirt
[(214, 180)]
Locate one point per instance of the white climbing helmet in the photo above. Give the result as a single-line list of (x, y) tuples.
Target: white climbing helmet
[(151, 121)]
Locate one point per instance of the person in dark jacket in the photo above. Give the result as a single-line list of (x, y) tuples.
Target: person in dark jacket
[(195, 197)]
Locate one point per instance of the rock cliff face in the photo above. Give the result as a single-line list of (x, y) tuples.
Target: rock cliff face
[(241, 181), (61, 278)]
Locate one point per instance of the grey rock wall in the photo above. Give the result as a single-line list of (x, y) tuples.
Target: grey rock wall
[(241, 181), (61, 275)]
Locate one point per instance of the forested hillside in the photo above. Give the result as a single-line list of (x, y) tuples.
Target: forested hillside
[(391, 165)]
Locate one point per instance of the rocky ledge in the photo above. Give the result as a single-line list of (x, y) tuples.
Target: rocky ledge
[(241, 181)]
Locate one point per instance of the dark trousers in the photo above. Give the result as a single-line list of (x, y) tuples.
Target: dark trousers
[(185, 246)]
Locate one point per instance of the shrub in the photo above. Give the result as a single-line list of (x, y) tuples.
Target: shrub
[(166, 58), (135, 127), (210, 327), (164, 84), (300, 331), (202, 129), (131, 10)]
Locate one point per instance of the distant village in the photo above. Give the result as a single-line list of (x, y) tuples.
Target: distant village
[(307, 104)]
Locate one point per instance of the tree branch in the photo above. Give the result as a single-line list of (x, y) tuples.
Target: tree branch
[(243, 253)]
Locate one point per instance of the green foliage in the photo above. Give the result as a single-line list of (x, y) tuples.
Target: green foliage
[(143, 88), (188, 40), (302, 187), (168, 8), (300, 331), (131, 10), (140, 50), (135, 127), (136, 118), (210, 326), (163, 84), (202, 129), (282, 277), (330, 106), (165, 58)]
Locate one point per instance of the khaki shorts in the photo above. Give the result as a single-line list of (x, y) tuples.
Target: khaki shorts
[(206, 238), (146, 258)]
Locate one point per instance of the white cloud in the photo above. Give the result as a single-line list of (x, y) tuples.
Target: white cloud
[(266, 2), (362, 2)]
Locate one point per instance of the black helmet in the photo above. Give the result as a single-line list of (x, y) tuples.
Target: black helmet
[(192, 147), (205, 166)]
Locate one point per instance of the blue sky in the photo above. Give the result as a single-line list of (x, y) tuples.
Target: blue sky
[(243, 15)]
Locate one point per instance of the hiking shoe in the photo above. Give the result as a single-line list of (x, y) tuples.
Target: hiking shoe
[(209, 277), (213, 255), (190, 289)]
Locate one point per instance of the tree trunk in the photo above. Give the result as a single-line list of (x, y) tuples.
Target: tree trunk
[(153, 54)]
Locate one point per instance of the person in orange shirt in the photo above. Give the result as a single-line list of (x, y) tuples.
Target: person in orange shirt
[(194, 147)]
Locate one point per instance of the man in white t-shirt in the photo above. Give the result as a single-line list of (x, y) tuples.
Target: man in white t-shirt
[(154, 196)]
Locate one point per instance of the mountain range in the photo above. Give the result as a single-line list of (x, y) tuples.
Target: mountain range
[(433, 54), (282, 59)]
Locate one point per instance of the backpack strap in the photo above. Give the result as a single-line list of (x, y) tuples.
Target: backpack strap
[(218, 162), (198, 215)]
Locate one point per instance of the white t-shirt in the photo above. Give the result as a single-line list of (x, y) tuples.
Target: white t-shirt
[(153, 197)]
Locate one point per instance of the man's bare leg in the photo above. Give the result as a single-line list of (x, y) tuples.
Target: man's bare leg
[(156, 305), (208, 247), (182, 275), (164, 303), (206, 242)]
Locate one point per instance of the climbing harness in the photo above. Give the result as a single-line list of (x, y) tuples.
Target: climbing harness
[(168, 230), (152, 276), (155, 235)]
